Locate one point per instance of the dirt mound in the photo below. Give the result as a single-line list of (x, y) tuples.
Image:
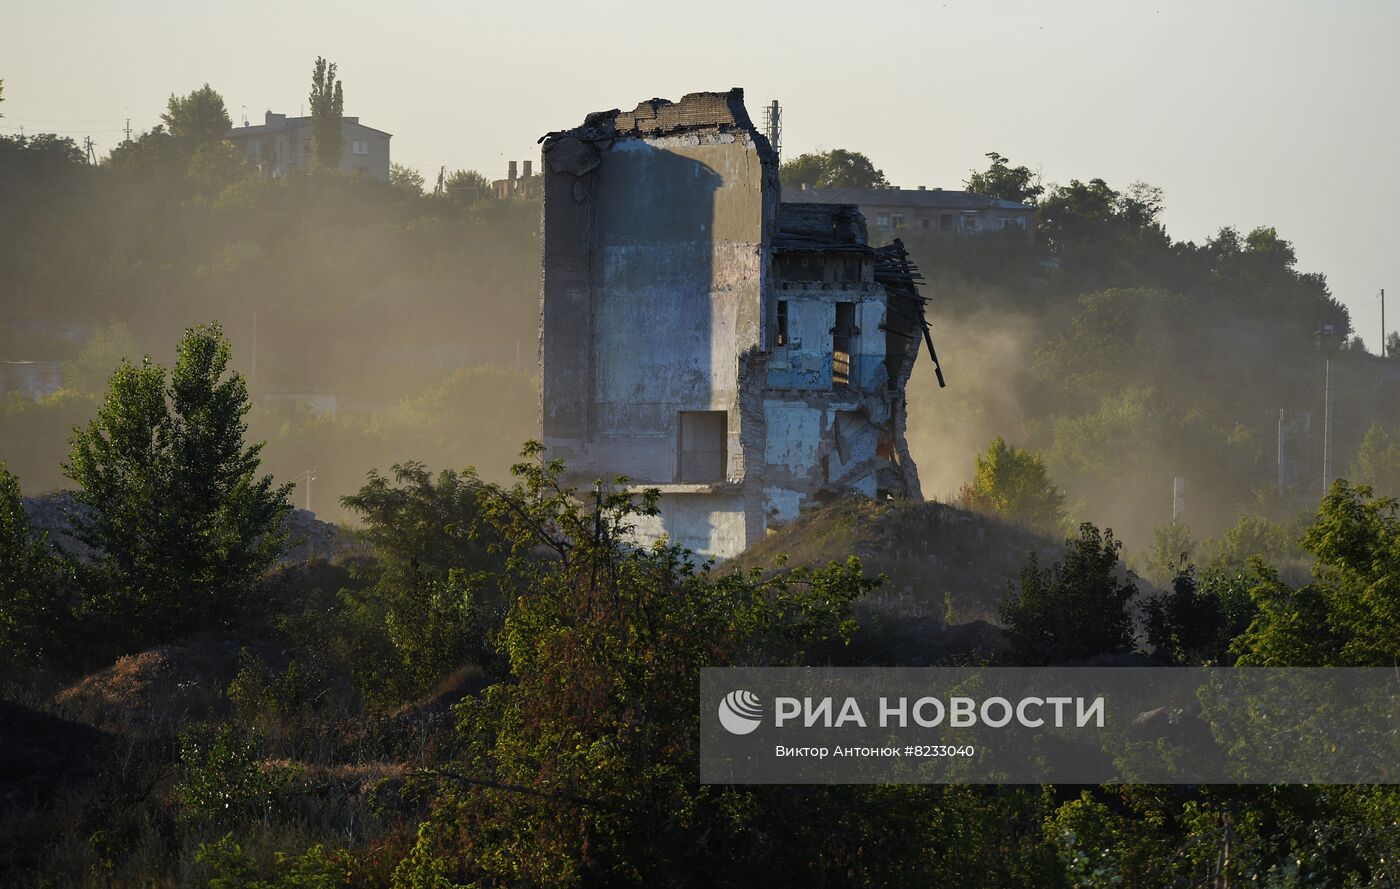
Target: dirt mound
[(307, 536), (39, 754), (940, 561), (946, 571), (54, 515), (161, 686), (310, 538)]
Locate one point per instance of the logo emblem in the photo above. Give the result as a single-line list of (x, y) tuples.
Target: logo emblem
[(740, 712)]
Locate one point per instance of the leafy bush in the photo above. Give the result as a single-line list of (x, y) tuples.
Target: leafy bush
[(221, 780), (227, 866), (258, 693), (1073, 610), (1196, 620)]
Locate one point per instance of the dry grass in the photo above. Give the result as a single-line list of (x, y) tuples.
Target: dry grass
[(152, 690)]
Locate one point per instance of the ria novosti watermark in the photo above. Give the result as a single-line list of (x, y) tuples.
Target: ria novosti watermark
[(1083, 725)]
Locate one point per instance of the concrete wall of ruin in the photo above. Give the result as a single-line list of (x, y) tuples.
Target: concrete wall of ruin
[(679, 241), (658, 297), (654, 230)]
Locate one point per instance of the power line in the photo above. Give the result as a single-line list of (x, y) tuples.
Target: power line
[(43, 120), (22, 128)]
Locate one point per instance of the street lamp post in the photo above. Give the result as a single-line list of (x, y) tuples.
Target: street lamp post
[(310, 477)]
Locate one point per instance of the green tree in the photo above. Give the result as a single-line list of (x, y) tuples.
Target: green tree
[(1096, 227), (837, 168), (406, 178), (89, 371), (33, 602), (1001, 180), (327, 116), (1172, 546), (1012, 483), (434, 600), (199, 116), (1077, 211), (183, 524), (215, 166), (1377, 463), (1073, 610), (466, 186), (157, 160), (1254, 537)]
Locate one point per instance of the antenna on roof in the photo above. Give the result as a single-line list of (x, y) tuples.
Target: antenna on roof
[(773, 125)]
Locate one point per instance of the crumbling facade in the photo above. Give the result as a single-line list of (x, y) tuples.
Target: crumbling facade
[(746, 357)]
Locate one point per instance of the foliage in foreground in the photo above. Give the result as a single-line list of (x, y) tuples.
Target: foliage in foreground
[(581, 768), (1348, 615)]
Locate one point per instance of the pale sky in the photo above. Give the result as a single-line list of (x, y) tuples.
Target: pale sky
[(1279, 113)]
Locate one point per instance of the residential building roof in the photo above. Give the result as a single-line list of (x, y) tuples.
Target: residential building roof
[(930, 199), (289, 123)]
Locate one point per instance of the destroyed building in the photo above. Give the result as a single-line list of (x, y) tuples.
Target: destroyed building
[(747, 357)]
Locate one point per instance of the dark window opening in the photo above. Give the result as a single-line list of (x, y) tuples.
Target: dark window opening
[(780, 337), (841, 336), (818, 268), (702, 445), (945, 222)]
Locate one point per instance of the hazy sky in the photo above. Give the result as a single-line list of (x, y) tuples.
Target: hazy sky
[(1245, 113)]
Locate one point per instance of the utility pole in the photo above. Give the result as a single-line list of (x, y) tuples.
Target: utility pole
[(1327, 421), (127, 131), (1326, 339), (1383, 322), (91, 155)]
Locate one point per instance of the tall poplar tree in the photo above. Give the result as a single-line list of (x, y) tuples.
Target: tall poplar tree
[(327, 111)]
